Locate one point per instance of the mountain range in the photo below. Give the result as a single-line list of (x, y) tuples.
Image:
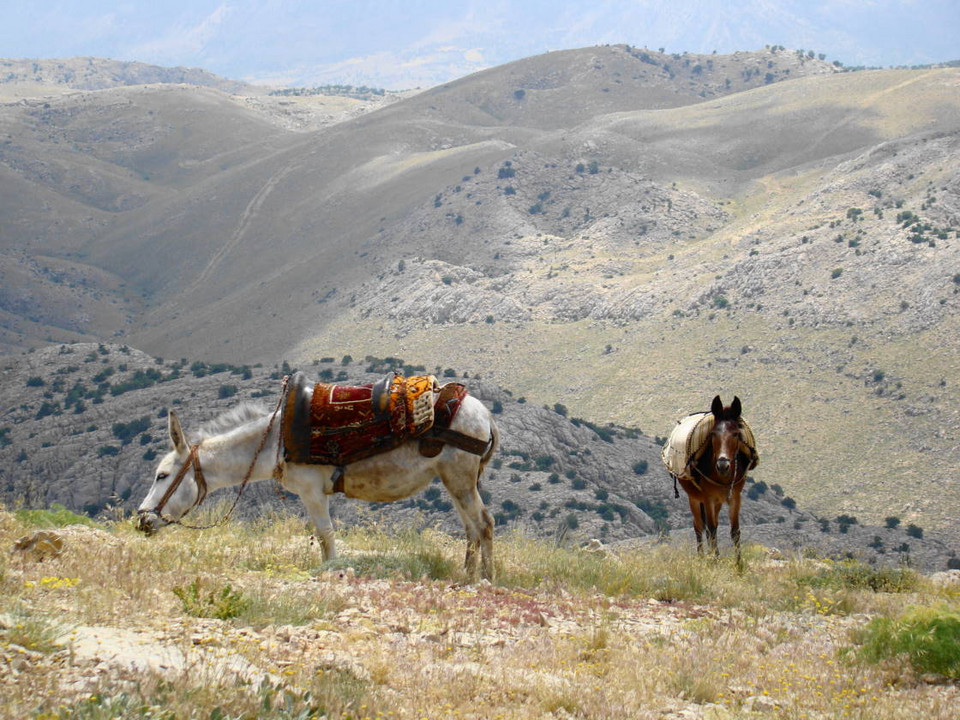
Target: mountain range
[(622, 232)]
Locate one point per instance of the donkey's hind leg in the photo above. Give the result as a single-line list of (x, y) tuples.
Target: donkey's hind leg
[(477, 522)]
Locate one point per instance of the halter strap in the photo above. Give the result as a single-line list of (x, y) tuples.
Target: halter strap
[(193, 459), (729, 486)]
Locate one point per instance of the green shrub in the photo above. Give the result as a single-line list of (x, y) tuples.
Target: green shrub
[(928, 637)]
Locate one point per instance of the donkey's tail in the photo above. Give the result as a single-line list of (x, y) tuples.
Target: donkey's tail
[(494, 443)]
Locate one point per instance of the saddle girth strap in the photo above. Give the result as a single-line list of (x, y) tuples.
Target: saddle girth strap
[(462, 442)]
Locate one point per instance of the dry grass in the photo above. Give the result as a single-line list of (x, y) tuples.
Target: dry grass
[(392, 631)]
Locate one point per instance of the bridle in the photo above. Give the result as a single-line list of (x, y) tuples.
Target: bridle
[(193, 460), (733, 472)]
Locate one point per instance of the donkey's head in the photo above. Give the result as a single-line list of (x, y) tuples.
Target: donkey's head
[(175, 487), (725, 438)]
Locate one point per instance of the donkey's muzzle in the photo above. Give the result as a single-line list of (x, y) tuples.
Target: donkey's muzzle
[(723, 466), (146, 522)]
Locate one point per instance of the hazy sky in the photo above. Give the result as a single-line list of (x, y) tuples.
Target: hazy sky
[(426, 42)]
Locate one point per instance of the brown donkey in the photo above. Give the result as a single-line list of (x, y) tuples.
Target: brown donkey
[(715, 470)]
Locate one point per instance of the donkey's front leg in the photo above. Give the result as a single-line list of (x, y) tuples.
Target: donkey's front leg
[(699, 520), (324, 527), (318, 508)]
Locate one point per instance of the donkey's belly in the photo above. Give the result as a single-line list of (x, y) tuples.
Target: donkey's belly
[(388, 490), (384, 487)]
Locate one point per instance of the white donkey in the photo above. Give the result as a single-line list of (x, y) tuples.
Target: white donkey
[(245, 445)]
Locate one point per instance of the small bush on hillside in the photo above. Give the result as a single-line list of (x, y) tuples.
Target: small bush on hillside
[(544, 462), (845, 521), (126, 432), (47, 408)]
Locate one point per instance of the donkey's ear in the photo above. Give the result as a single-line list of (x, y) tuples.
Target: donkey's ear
[(176, 434), (736, 408), (717, 407)]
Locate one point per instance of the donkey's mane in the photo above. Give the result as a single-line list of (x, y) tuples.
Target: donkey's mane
[(232, 419)]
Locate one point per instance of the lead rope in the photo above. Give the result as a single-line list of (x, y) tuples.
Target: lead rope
[(277, 471)]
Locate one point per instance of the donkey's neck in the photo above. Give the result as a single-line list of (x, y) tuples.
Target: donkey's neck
[(226, 457)]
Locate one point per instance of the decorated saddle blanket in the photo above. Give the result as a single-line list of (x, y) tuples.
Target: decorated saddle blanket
[(688, 441), (340, 424)]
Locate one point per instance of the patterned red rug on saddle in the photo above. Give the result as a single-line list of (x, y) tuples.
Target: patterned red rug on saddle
[(341, 424)]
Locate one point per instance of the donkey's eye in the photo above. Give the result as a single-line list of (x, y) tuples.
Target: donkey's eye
[(162, 476)]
